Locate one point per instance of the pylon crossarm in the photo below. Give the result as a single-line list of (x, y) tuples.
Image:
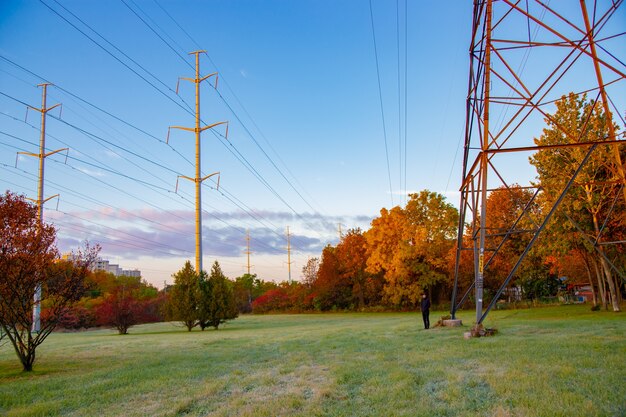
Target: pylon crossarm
[(193, 80), (50, 198), (57, 151), (209, 176), (43, 201), (188, 129), (56, 105), (169, 129), (36, 155), (535, 148), (202, 129), (185, 177), (207, 77)]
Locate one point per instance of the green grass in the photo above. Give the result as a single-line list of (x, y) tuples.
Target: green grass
[(557, 361)]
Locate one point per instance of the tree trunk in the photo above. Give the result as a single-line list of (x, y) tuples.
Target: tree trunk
[(27, 358), (606, 268), (360, 284), (593, 290), (611, 284), (601, 287), (617, 289)]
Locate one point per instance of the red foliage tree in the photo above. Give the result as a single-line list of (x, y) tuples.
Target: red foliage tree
[(29, 260), (120, 310), (333, 291), (273, 300)]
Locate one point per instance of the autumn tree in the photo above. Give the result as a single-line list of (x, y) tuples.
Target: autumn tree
[(183, 301), (216, 301), (386, 248), (352, 257), (121, 310), (309, 272), (510, 206), (410, 246), (29, 260), (331, 291), (595, 195)]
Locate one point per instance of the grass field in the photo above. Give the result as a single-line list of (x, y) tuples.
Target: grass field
[(557, 361)]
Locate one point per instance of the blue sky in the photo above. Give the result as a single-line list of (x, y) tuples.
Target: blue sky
[(299, 87)]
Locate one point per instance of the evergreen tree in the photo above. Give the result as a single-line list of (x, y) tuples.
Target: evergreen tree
[(218, 299), (184, 297)]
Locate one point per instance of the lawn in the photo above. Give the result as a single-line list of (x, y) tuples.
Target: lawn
[(557, 361)]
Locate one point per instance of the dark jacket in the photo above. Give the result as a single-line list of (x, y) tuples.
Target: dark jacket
[(425, 304)]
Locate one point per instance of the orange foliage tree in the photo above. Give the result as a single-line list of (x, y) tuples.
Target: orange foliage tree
[(410, 247)]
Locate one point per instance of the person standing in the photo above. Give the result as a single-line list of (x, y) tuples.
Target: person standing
[(425, 307)]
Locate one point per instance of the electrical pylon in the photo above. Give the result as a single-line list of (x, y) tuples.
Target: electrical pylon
[(198, 179), (289, 262), (42, 155), (567, 51), (248, 249)]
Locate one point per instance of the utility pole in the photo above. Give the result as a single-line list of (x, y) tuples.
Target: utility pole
[(42, 155), (248, 249), (289, 253), (198, 179), (339, 230)]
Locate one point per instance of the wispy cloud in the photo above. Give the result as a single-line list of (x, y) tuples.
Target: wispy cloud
[(139, 233), (91, 172)]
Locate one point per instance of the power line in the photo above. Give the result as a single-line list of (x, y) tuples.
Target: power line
[(380, 95), (154, 31), (113, 55), (119, 119), (225, 82), (229, 196), (406, 89), (225, 193), (230, 146)]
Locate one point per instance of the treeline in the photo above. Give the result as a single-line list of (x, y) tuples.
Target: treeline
[(409, 250), (202, 300)]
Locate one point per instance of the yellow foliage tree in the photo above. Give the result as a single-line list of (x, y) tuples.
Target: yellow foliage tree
[(409, 245)]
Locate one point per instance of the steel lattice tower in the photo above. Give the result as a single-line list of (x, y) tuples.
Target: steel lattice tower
[(515, 76)]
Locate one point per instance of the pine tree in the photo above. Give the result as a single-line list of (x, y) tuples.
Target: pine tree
[(184, 297), (218, 299)]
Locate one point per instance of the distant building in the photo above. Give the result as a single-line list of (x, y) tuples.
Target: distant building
[(106, 266), (131, 273)]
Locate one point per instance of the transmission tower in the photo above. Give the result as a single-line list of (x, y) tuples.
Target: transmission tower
[(289, 262), (248, 252), (198, 129), (567, 50), (42, 155)]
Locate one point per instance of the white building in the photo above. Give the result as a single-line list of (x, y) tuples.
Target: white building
[(107, 266)]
